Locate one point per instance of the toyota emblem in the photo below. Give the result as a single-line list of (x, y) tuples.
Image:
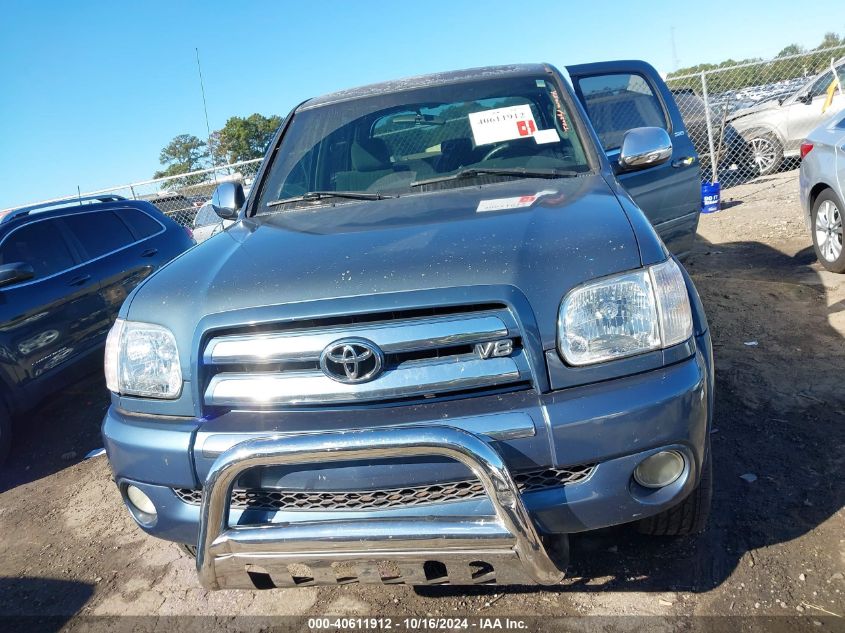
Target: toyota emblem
[(352, 360)]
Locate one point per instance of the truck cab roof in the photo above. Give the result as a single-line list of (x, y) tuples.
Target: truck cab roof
[(423, 81)]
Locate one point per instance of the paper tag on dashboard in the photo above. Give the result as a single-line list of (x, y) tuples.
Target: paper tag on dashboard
[(546, 136), (502, 124)]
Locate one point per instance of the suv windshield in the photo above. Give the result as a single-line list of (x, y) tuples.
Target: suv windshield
[(418, 140)]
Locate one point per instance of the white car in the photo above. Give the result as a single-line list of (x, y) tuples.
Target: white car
[(775, 128), (822, 190), (208, 223)]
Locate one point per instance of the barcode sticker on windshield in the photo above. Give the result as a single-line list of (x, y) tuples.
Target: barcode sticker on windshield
[(502, 124)]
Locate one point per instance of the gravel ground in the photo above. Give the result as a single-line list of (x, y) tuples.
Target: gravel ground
[(775, 545)]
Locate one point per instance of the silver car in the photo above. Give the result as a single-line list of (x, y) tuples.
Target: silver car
[(775, 128), (822, 189), (208, 223)]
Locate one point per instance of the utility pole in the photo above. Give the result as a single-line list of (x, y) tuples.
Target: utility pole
[(675, 62), (205, 109)]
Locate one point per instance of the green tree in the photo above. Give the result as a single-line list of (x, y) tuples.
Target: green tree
[(792, 49), (215, 151), (185, 153), (246, 138), (830, 40), (759, 72)]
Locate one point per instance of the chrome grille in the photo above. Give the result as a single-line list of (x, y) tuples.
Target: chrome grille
[(279, 499), (423, 357)]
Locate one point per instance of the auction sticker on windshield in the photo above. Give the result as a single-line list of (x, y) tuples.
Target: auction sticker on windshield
[(502, 124)]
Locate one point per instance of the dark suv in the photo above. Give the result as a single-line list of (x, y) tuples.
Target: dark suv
[(65, 269), (441, 335)]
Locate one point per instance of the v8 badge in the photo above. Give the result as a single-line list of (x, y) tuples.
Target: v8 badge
[(494, 349)]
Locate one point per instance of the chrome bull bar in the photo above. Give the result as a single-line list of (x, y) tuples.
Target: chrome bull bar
[(504, 548)]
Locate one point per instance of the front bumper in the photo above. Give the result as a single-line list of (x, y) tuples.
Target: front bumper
[(614, 424), (230, 556)]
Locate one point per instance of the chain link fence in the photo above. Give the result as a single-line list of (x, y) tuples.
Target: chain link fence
[(744, 120), (749, 119), (181, 197)]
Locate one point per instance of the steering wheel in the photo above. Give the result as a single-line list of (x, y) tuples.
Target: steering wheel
[(496, 151)]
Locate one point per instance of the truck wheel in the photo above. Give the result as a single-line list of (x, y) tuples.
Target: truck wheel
[(827, 231), (690, 515), (5, 434), (767, 152)]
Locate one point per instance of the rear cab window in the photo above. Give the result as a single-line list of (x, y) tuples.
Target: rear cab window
[(616, 103)]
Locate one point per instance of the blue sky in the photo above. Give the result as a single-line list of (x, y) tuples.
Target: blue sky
[(91, 91)]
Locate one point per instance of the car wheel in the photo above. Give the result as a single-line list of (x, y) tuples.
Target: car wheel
[(827, 231), (5, 434), (690, 515), (767, 152)]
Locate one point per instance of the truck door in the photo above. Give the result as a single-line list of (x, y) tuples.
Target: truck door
[(621, 95)]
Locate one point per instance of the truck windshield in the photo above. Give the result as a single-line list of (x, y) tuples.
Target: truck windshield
[(404, 142)]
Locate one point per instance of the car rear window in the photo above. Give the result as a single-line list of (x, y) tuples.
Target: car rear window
[(99, 233), (617, 103), (142, 224), (40, 245)]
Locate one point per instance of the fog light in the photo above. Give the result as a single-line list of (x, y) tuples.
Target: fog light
[(141, 501), (660, 469)]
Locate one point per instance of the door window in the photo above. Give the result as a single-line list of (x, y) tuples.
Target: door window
[(41, 245), (142, 224), (619, 102), (99, 233), (821, 85)]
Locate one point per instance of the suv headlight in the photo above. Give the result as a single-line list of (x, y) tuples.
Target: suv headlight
[(142, 360), (624, 315)]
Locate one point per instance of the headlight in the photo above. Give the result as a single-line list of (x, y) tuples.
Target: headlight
[(624, 315), (142, 360)]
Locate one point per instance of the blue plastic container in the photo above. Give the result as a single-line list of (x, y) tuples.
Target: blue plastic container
[(710, 197)]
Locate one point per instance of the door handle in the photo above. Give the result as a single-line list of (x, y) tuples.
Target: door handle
[(149, 252), (79, 280), (686, 161)]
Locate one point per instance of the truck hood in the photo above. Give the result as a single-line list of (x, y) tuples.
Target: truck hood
[(541, 237)]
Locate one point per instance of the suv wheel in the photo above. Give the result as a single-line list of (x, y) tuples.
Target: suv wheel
[(690, 515), (767, 152), (827, 231), (5, 434)]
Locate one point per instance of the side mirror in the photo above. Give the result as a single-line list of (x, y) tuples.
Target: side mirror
[(806, 99), (15, 272), (227, 200), (644, 147)]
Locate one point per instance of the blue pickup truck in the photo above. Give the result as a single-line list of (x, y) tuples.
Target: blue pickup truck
[(447, 329)]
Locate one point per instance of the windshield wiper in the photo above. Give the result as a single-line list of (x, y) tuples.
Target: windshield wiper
[(516, 172), (311, 196)]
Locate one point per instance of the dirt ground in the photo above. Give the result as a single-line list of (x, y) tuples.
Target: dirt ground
[(776, 541)]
